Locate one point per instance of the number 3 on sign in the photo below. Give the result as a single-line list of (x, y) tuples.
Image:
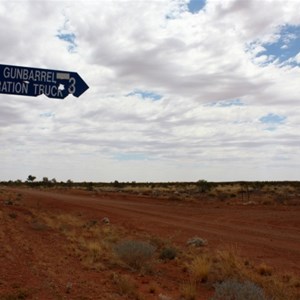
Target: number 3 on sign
[(72, 87)]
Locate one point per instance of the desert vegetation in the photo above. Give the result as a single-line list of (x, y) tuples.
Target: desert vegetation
[(68, 253), (244, 192)]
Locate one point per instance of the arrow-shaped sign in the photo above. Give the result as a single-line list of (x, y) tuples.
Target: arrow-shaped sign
[(33, 82)]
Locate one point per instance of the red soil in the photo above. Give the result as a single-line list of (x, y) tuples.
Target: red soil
[(36, 262)]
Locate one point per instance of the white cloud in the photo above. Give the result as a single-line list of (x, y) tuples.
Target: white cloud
[(191, 60), (297, 58)]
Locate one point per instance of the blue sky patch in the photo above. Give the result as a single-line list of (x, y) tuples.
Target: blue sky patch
[(145, 95), (195, 6), (286, 47), (272, 119), (70, 38), (47, 115), (130, 156), (271, 128), (227, 103)]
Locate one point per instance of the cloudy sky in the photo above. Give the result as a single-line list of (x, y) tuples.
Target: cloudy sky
[(179, 90)]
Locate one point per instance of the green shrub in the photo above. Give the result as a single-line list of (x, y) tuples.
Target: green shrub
[(135, 253), (235, 290), (168, 253)]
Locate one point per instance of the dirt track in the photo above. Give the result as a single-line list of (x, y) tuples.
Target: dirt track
[(269, 234)]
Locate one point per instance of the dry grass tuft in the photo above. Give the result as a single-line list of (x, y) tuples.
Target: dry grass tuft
[(93, 244), (200, 267), (229, 263), (189, 290), (95, 251), (126, 287), (264, 270), (153, 287), (70, 220)]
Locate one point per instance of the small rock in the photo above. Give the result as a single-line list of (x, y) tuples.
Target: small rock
[(8, 202), (196, 242), (105, 220), (164, 297), (249, 203), (69, 287)]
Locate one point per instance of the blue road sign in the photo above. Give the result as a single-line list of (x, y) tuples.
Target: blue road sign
[(25, 81)]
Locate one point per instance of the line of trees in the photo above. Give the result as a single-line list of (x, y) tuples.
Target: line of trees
[(31, 180), (202, 185)]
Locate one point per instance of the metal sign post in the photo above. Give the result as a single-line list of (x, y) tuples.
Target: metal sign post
[(25, 81)]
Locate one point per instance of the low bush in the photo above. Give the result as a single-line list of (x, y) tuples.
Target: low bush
[(135, 253), (168, 253), (235, 290)]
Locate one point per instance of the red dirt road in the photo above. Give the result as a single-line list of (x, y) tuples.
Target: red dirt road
[(262, 233)]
